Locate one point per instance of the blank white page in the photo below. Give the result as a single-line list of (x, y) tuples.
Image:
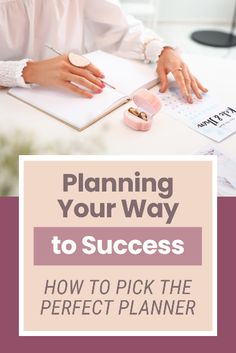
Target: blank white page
[(69, 108), (127, 76)]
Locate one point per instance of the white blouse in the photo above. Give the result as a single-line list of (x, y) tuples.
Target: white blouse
[(26, 26)]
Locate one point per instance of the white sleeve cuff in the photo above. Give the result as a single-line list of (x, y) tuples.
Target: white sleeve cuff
[(11, 73), (154, 49)]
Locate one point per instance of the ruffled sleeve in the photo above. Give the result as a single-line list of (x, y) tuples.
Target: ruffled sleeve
[(11, 73)]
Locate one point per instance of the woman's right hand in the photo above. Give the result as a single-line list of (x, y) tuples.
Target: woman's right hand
[(60, 73)]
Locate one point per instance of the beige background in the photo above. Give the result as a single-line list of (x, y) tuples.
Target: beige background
[(192, 189)]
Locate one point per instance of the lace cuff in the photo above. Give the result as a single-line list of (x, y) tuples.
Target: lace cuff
[(11, 73), (153, 50)]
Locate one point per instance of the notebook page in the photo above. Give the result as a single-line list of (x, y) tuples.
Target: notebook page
[(125, 75), (74, 110)]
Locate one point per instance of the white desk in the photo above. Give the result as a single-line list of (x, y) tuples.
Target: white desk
[(111, 136)]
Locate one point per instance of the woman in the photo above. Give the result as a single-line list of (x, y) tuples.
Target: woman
[(26, 26)]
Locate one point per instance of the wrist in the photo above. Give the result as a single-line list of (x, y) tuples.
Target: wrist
[(166, 49), (153, 49), (28, 73)]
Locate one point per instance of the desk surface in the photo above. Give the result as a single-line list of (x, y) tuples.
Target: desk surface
[(111, 136)]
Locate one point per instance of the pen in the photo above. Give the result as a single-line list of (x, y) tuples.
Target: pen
[(53, 49), (108, 84), (57, 52)]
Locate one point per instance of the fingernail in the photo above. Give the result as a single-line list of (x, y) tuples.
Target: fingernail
[(102, 75), (189, 98), (99, 90)]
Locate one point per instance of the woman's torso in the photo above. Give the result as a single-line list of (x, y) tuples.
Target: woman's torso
[(26, 26)]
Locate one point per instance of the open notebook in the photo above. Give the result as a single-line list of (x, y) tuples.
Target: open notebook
[(127, 76)]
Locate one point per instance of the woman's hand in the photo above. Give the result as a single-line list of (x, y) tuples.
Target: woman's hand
[(60, 73), (170, 61)]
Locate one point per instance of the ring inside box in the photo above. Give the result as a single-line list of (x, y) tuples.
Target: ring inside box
[(138, 113)]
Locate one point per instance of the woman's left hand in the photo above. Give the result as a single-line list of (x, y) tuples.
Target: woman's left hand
[(170, 61)]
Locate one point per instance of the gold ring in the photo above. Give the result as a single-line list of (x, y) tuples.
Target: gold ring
[(178, 69)]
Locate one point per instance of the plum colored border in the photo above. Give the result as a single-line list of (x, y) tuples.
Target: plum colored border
[(10, 342)]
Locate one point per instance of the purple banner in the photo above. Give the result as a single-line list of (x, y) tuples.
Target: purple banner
[(11, 342), (117, 246)]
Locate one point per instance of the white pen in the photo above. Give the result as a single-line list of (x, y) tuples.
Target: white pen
[(57, 52), (53, 49), (108, 84)]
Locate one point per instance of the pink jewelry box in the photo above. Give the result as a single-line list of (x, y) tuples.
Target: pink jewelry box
[(148, 104)]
